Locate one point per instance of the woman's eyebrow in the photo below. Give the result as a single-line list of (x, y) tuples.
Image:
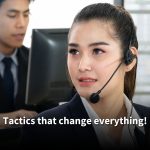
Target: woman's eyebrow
[(90, 45), (98, 43), (73, 45)]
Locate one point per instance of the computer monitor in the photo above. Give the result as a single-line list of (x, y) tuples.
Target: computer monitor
[(47, 78)]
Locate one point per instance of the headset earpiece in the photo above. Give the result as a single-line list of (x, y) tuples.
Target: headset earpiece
[(129, 56)]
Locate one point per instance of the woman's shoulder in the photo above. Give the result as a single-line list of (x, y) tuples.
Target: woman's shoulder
[(143, 110), (65, 109), (58, 111)]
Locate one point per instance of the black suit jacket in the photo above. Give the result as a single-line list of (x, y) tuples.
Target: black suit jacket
[(22, 56), (69, 136)]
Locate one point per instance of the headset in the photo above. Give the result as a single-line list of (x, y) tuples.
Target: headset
[(95, 97), (129, 57)]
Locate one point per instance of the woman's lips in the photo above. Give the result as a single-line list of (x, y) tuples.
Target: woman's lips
[(86, 81)]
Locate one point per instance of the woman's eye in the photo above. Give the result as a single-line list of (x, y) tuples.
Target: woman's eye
[(97, 51), (73, 52)]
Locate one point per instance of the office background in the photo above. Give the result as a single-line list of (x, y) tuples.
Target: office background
[(60, 14)]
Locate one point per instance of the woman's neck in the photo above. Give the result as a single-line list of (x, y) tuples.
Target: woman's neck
[(112, 108)]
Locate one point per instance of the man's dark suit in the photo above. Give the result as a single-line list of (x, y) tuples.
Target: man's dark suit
[(8, 136), (22, 56), (69, 136)]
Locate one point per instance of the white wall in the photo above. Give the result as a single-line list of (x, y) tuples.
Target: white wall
[(54, 14)]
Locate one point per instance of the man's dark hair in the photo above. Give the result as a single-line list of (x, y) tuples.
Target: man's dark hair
[(1, 1)]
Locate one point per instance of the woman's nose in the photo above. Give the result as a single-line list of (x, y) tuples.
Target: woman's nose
[(85, 64)]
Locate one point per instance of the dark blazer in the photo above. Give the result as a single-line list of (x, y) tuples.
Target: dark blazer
[(68, 136), (22, 56)]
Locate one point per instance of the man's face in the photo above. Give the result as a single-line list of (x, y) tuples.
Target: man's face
[(14, 18)]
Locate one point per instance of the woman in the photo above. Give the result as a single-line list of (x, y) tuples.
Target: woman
[(102, 63)]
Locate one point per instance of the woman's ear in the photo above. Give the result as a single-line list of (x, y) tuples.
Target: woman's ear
[(134, 53)]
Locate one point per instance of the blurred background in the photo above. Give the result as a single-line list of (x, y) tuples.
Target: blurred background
[(140, 10), (60, 14)]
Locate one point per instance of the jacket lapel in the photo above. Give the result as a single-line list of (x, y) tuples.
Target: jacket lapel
[(86, 135), (22, 57)]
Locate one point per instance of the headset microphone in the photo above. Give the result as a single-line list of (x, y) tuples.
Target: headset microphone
[(94, 98)]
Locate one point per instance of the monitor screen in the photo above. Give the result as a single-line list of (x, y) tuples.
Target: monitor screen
[(47, 78)]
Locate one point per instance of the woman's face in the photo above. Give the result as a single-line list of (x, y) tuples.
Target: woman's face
[(93, 56)]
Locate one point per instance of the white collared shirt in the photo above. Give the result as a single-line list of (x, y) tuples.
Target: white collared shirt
[(101, 130), (14, 69)]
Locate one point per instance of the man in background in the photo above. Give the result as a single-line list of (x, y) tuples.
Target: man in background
[(14, 19)]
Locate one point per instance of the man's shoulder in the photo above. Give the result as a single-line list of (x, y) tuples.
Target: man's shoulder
[(24, 49), (23, 53)]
